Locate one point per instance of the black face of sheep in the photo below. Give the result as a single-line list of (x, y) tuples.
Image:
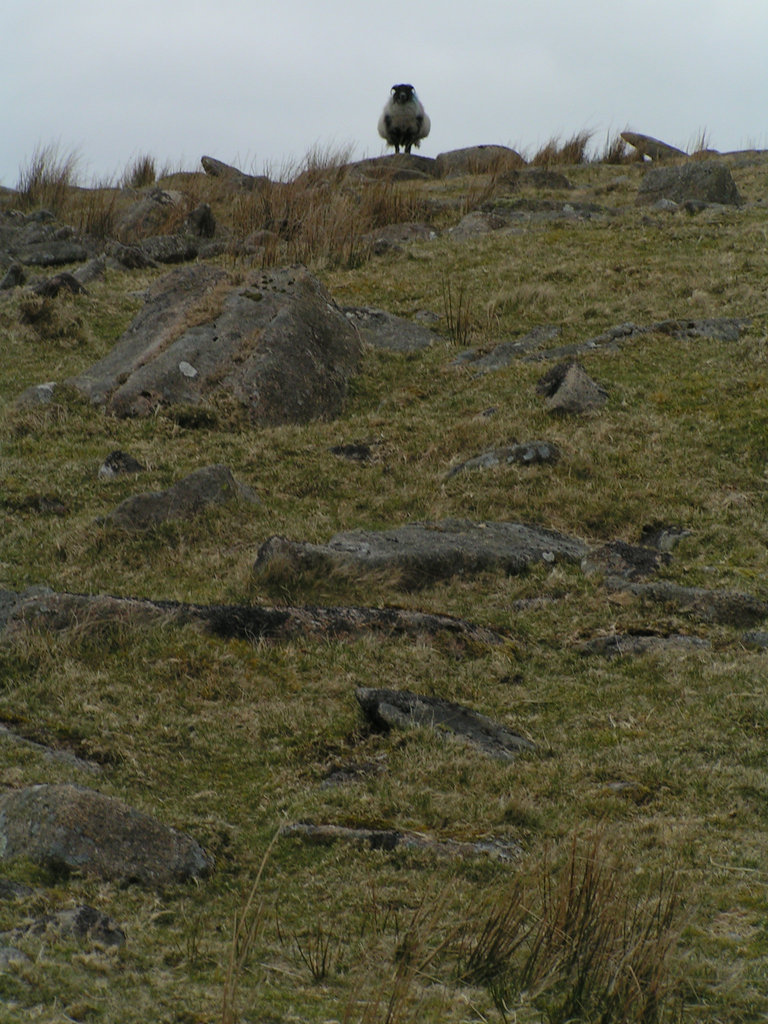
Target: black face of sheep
[(403, 121), (402, 93)]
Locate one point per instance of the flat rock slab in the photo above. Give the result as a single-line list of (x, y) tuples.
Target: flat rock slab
[(71, 828), (384, 330), (727, 607), (41, 609), (506, 352), (212, 485), (403, 709), (420, 553), (391, 839), (530, 453), (276, 345), (655, 149)]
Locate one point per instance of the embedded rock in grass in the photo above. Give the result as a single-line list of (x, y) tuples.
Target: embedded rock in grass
[(389, 839), (626, 561), (275, 345), (569, 389), (403, 709), (70, 828), (212, 485), (728, 607), (504, 354), (41, 609), (708, 180), (384, 330), (392, 237), (421, 553), (622, 644), (531, 453)]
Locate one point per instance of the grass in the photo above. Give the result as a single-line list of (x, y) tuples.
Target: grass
[(648, 777)]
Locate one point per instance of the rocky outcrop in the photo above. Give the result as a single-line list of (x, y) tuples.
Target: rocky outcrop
[(421, 553), (707, 181), (69, 828), (249, 182), (41, 609), (568, 388), (276, 345), (401, 709)]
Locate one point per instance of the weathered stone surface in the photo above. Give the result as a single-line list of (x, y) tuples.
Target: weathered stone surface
[(392, 237), (170, 248), (420, 553), (118, 463), (384, 330), (41, 609), (725, 329), (627, 561), (723, 606), (14, 277), (38, 239), (646, 145), (51, 286), (276, 344), (708, 180), (568, 388), (506, 352), (154, 213), (212, 485), (531, 453), (390, 839), (624, 644), (37, 394), (477, 160), (71, 828), (394, 167), (477, 222), (249, 182), (402, 709)]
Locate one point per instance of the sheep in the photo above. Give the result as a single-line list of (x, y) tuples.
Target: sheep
[(403, 121)]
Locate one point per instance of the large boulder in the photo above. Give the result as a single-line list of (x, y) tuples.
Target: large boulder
[(708, 181), (71, 828), (477, 160), (276, 344)]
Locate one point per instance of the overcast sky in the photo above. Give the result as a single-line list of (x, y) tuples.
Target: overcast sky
[(260, 83)]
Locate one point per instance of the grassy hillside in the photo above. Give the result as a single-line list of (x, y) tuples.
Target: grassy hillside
[(639, 891)]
